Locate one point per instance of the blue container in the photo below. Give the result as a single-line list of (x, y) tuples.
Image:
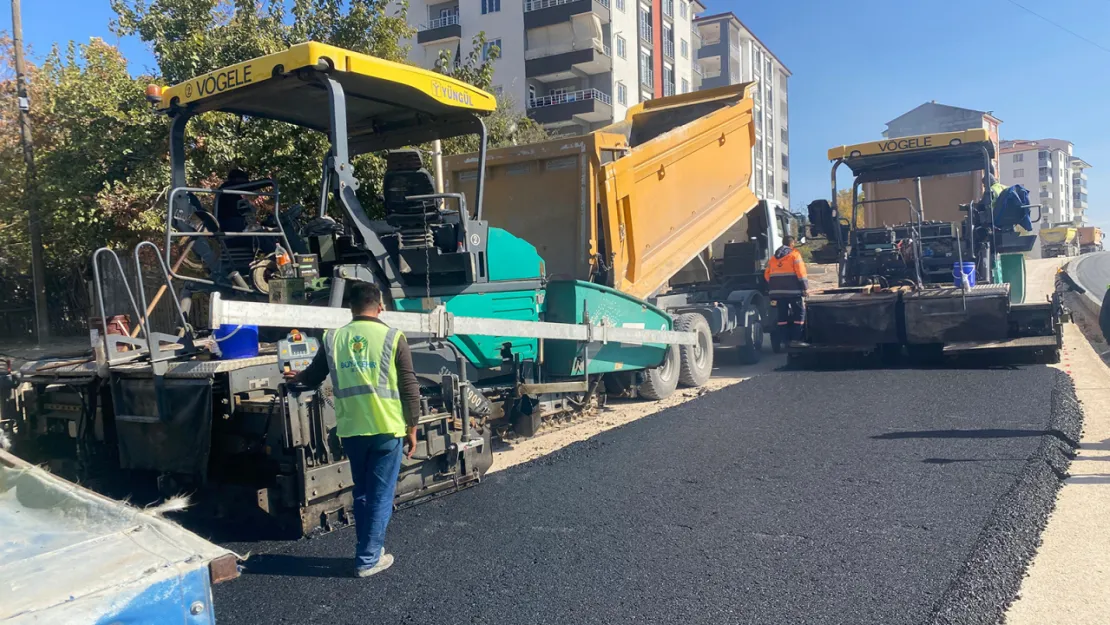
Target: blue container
[(237, 341), (967, 269)]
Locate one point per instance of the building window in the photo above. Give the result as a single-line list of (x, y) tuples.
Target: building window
[(1019, 158), (622, 94), (621, 50), (620, 5), (491, 6), (531, 95), (785, 189), (668, 8), (645, 24), (489, 46), (1019, 173), (646, 77), (684, 47), (785, 162), (685, 86), (682, 8)]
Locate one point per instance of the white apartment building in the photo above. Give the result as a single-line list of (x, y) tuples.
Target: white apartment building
[(729, 54), (1053, 175), (574, 65)]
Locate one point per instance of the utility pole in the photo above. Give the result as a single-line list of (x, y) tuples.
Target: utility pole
[(30, 189)]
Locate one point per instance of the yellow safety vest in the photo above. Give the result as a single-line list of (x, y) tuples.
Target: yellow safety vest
[(364, 381)]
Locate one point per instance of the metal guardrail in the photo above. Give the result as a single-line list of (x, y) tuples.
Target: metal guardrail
[(668, 49), (440, 22), (570, 96)]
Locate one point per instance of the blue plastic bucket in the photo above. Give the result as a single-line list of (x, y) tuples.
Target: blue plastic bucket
[(237, 341), (966, 269)]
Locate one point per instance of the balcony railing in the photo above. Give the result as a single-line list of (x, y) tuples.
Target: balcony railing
[(697, 68), (647, 77), (536, 5), (668, 49), (440, 22), (712, 73), (645, 33), (570, 96), (668, 89)]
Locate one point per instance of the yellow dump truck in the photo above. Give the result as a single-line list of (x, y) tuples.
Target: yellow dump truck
[(1059, 240), (630, 205), (1090, 239)]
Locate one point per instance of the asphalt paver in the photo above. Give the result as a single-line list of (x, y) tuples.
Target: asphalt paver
[(881, 496)]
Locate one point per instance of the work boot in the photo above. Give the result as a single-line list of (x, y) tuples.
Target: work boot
[(384, 563)]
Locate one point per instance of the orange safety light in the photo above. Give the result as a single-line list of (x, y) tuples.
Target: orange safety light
[(153, 94)]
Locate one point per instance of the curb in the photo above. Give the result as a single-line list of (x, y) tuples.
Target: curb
[(1072, 269), (990, 578)]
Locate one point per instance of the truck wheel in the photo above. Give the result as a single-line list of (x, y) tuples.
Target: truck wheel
[(661, 381), (695, 361), (752, 349)]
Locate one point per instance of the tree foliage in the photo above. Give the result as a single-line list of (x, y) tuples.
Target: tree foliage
[(102, 154)]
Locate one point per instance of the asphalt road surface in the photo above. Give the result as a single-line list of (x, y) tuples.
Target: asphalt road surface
[(1093, 272), (796, 497)]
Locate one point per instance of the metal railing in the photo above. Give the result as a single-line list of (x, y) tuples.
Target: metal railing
[(712, 73), (697, 69), (645, 33), (570, 96), (668, 89), (668, 49), (536, 5), (647, 78), (440, 22)]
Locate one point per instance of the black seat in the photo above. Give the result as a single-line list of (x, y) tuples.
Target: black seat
[(405, 176)]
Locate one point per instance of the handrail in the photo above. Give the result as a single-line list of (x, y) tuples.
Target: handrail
[(172, 234)]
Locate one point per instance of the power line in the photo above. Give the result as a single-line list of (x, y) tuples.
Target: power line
[(1060, 26)]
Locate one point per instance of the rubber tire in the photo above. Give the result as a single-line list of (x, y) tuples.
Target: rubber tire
[(691, 371), (662, 381), (751, 352)]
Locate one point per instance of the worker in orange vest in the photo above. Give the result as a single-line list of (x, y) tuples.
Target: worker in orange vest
[(787, 285)]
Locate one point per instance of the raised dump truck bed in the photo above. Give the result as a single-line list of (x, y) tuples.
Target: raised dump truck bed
[(630, 205)]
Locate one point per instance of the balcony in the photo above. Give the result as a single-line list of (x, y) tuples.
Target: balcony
[(646, 35), (540, 13), (647, 77), (440, 29), (668, 49), (587, 105), (552, 64), (668, 89)]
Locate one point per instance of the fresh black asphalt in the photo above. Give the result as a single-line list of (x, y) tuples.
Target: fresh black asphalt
[(883, 496)]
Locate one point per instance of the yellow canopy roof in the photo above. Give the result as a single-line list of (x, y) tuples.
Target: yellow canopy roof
[(388, 103), (922, 155)]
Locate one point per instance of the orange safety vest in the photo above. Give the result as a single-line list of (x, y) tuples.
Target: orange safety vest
[(786, 276)]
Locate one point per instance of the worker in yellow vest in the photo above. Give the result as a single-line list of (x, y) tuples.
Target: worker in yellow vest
[(377, 404)]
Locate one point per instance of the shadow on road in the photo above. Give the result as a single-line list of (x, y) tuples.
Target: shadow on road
[(297, 566), (977, 433)]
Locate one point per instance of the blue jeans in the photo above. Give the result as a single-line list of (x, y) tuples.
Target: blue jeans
[(375, 464)]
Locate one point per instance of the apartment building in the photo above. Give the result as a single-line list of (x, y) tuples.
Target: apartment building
[(728, 54), (942, 195), (573, 65), (1053, 175)]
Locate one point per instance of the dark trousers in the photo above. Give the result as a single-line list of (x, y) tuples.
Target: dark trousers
[(375, 464), (791, 317)]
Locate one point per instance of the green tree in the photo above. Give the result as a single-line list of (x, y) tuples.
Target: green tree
[(103, 154)]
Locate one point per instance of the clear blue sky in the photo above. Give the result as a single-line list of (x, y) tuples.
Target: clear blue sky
[(857, 65)]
